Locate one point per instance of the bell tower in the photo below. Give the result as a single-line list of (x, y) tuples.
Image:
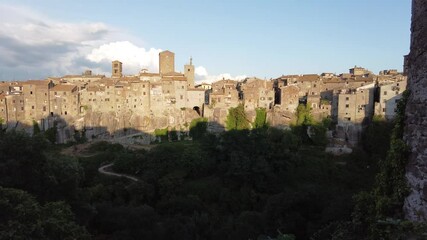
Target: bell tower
[(189, 73), (116, 67)]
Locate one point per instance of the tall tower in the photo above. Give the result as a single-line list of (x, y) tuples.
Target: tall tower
[(166, 62), (189, 74), (116, 67)]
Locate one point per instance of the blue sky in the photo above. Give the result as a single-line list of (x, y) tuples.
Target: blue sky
[(240, 38)]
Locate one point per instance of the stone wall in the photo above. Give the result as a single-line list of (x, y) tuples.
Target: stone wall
[(415, 206)]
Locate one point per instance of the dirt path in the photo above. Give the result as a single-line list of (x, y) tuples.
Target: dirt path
[(104, 170)]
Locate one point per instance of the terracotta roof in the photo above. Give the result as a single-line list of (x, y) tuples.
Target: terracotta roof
[(94, 88), (63, 88), (334, 80), (36, 82), (149, 74), (309, 77), (288, 76), (173, 74)]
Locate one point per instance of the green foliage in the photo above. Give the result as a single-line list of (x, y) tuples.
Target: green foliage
[(173, 135), (104, 146), (325, 101), (304, 116), (241, 184), (236, 119), (198, 128), (36, 128), (162, 134), (80, 136), (24, 218), (376, 137), (51, 133), (261, 118), (378, 213)]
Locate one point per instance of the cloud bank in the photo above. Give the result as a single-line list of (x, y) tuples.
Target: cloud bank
[(203, 76), (33, 46)]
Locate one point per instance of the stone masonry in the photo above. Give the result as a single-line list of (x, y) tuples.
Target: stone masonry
[(415, 206)]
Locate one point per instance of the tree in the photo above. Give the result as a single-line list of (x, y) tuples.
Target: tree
[(261, 118), (51, 133), (36, 128), (236, 118), (23, 217), (198, 128), (304, 116)]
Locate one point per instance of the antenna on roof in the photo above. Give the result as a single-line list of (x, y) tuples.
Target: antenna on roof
[(191, 60)]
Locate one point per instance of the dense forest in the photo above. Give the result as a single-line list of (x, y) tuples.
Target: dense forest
[(250, 182)]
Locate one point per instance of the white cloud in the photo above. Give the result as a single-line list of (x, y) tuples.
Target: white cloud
[(133, 58), (35, 46), (203, 76)]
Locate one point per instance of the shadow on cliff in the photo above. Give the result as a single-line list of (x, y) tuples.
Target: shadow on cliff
[(58, 129)]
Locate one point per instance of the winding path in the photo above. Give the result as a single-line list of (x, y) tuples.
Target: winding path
[(103, 170)]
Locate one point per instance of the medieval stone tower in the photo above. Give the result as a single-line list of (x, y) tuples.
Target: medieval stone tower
[(166, 62), (116, 71), (416, 115), (189, 74)]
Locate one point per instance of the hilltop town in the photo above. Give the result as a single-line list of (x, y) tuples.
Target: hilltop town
[(119, 105)]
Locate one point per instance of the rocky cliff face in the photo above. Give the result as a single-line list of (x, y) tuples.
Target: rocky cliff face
[(415, 206)]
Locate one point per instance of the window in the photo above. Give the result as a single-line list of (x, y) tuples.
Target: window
[(182, 97), (347, 106), (347, 98), (383, 109), (32, 107), (385, 92), (44, 108), (31, 92)]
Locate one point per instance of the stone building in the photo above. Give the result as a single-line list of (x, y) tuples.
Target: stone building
[(64, 101), (389, 95), (355, 105), (289, 97), (224, 94), (189, 74), (256, 93), (117, 69), (37, 97), (166, 62), (358, 71)]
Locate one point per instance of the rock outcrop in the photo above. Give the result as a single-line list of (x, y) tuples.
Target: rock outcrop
[(415, 206)]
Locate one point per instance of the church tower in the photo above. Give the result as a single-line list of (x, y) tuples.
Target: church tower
[(189, 74), (116, 69)]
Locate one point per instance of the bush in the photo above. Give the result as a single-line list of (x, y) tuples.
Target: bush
[(198, 128)]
